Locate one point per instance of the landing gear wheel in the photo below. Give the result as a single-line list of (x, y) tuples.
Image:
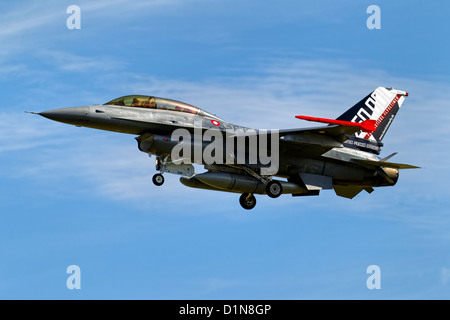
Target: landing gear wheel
[(158, 179), (274, 189), (247, 201)]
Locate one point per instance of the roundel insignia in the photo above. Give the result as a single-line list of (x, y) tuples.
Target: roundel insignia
[(215, 122)]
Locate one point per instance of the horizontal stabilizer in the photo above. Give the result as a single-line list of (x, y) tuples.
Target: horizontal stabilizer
[(389, 156), (385, 164)]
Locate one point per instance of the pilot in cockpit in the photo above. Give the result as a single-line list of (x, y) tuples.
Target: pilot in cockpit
[(135, 102), (149, 103)]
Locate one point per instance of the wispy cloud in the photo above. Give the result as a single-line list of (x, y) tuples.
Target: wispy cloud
[(26, 30), (266, 97), (70, 62), (24, 132), (19, 20), (25, 19)]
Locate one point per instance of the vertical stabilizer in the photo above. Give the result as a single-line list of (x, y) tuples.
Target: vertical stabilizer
[(381, 105)]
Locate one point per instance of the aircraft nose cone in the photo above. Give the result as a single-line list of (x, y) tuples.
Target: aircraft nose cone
[(74, 115)]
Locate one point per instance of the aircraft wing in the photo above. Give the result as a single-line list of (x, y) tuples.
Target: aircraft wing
[(315, 141), (336, 132), (312, 141)]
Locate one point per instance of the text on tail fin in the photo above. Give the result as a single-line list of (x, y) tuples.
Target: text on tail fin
[(381, 106)]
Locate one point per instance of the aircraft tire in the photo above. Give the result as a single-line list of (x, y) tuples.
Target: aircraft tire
[(274, 189), (247, 201), (158, 179)]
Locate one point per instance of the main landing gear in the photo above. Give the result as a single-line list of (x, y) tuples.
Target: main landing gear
[(247, 201), (273, 190), (158, 179)]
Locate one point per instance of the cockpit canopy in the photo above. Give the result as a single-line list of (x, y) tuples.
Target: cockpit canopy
[(153, 103)]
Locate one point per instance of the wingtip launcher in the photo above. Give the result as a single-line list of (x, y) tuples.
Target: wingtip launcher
[(366, 126)]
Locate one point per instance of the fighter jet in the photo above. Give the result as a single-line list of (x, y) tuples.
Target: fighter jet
[(342, 154)]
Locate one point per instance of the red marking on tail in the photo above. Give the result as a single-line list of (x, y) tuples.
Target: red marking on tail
[(366, 126), (384, 114)]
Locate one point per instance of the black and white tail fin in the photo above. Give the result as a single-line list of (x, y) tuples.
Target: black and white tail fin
[(381, 105)]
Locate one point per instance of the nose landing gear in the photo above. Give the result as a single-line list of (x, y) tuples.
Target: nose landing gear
[(158, 179)]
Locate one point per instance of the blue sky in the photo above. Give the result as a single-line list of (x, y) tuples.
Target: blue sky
[(78, 196)]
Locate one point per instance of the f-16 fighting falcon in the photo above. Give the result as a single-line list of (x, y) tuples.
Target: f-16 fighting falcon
[(340, 155)]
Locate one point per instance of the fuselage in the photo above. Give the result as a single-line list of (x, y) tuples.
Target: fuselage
[(145, 115)]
